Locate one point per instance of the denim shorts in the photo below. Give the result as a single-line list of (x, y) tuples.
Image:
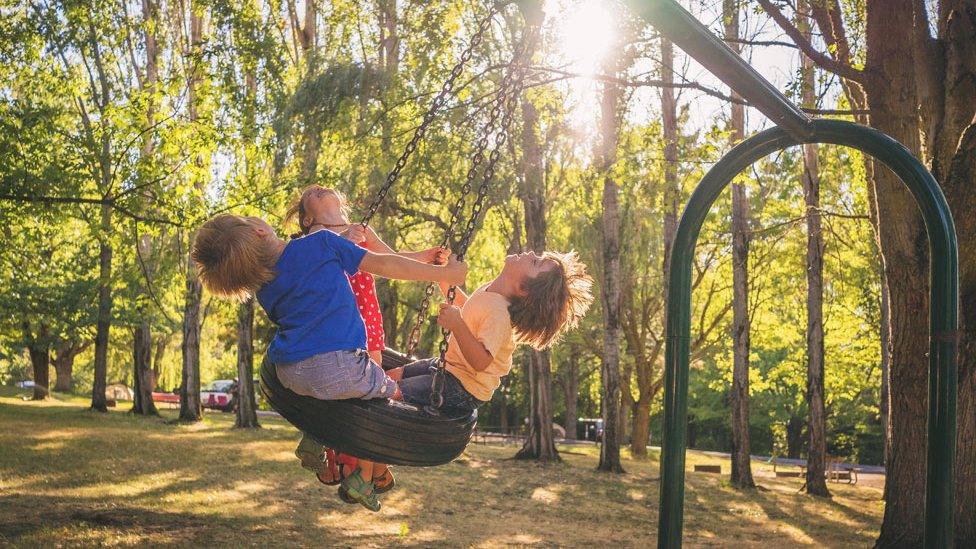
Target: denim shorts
[(415, 386), (337, 375)]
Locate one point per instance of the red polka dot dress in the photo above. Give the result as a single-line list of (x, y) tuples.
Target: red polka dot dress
[(364, 288)]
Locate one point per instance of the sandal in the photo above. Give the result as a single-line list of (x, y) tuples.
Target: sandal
[(385, 482), (381, 484), (319, 462), (360, 491)]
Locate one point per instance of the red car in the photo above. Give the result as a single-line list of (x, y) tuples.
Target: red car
[(217, 395)]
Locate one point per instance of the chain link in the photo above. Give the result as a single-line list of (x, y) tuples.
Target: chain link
[(507, 90), (521, 62), (429, 116)]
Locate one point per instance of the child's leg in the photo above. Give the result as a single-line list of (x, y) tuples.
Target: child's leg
[(366, 469), (415, 381)]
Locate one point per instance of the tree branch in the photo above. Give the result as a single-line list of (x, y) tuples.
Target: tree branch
[(824, 61)]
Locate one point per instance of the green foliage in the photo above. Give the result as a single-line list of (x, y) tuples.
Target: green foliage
[(261, 101)]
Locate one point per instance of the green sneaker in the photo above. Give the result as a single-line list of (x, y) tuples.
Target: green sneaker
[(311, 454), (355, 488)]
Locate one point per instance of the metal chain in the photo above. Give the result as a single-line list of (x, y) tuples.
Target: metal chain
[(429, 116), (506, 90), (437, 377)]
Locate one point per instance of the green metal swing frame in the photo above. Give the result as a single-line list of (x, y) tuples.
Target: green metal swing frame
[(793, 127)]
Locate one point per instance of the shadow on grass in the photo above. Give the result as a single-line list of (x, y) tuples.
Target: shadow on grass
[(81, 478)]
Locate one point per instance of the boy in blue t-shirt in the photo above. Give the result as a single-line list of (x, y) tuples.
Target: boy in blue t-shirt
[(319, 346)]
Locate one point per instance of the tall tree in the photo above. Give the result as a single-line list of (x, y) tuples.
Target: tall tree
[(143, 379), (540, 443), (606, 156), (639, 324), (815, 484), (921, 90), (192, 43), (741, 462)]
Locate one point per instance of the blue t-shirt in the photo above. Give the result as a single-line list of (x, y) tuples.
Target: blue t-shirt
[(310, 300)]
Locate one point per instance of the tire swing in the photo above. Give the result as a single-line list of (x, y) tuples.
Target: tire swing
[(398, 433)]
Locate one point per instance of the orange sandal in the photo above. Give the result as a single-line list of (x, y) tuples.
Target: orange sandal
[(385, 482)]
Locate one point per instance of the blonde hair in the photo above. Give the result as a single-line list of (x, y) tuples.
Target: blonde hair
[(232, 259), (296, 210), (555, 301)]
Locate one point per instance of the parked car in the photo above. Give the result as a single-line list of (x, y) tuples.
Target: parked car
[(28, 384), (218, 395), (590, 429)]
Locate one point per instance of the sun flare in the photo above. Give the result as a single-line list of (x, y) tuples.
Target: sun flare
[(586, 31), (586, 35)]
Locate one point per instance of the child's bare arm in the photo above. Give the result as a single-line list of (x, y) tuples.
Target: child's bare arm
[(376, 244), (403, 268), (473, 350)]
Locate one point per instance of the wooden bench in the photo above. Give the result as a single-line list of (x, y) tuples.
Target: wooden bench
[(838, 471), (802, 472), (715, 469)]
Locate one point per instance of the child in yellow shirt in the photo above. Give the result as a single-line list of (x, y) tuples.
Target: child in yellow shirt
[(534, 300)]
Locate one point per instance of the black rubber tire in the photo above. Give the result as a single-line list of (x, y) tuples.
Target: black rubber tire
[(394, 359), (379, 430)]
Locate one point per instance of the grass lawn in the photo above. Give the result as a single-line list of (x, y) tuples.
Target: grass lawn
[(71, 477)]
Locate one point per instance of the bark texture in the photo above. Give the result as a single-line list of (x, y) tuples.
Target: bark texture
[(921, 90), (570, 385), (63, 361), (190, 406), (142, 403), (540, 443), (606, 158), (103, 321), (741, 462), (247, 416), (816, 483), (39, 350)]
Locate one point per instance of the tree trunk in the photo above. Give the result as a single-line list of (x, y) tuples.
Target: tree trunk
[(794, 437), (247, 416), (144, 380), (142, 403), (628, 406), (103, 321), (741, 463), (892, 100), (157, 363), (190, 406), (540, 443), (947, 82), (39, 350), (885, 406), (312, 134), (641, 435), (815, 484), (63, 362), (606, 158), (571, 391)]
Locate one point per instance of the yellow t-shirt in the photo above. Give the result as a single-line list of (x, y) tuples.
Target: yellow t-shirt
[(486, 314)]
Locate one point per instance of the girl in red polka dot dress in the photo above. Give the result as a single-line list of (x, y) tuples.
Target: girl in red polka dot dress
[(320, 208)]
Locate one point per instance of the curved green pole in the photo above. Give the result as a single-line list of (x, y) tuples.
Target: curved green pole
[(944, 316)]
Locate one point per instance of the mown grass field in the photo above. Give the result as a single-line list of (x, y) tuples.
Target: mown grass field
[(71, 477)]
